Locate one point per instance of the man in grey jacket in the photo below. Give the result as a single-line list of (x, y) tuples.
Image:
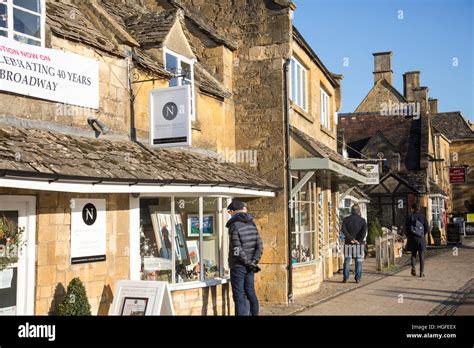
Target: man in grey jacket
[(245, 251), (354, 228)]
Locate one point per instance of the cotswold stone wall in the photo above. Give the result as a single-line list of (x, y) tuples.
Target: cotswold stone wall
[(211, 300), (263, 32), (307, 279)]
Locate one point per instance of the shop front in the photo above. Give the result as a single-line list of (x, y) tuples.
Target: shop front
[(142, 216)]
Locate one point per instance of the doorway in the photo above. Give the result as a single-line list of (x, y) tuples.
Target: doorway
[(17, 281)]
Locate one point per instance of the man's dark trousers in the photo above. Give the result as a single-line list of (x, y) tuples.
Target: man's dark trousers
[(422, 259), (242, 281)]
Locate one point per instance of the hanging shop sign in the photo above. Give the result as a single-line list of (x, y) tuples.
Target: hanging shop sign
[(371, 170), (170, 121), (49, 74), (139, 298), (457, 175), (88, 230)]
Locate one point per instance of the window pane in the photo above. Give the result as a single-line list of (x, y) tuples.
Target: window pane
[(32, 5), (155, 239), (3, 15), (210, 248), (3, 33), (186, 69), (171, 63), (27, 23), (25, 40), (298, 85), (8, 293), (186, 216)]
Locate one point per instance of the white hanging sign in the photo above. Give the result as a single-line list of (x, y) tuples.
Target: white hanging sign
[(170, 116)]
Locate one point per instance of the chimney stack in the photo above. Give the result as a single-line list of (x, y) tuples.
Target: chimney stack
[(383, 66), (433, 106), (411, 81)]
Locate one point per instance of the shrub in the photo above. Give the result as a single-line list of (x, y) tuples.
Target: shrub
[(435, 231), (75, 302), (375, 230)]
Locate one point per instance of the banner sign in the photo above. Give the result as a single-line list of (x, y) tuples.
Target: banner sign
[(170, 121), (88, 230), (49, 74), (457, 175), (371, 170)]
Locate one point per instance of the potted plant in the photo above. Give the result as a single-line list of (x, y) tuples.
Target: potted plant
[(375, 230), (436, 233), (11, 242)]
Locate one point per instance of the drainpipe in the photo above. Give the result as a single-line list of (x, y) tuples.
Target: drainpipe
[(288, 177)]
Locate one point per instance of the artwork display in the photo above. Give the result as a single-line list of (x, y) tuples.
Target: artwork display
[(193, 250), (208, 225), (162, 228)]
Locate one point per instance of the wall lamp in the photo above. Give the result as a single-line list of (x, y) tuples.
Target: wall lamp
[(95, 123)]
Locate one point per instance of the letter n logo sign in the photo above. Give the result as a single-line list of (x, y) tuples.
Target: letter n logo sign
[(89, 214), (170, 110)]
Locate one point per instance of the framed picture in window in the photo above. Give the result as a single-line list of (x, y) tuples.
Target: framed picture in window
[(208, 225), (193, 250)]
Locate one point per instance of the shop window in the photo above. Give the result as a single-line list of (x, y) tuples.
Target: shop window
[(321, 223), (436, 212), (23, 20), (183, 69), (299, 84), (304, 225), (197, 250), (325, 116)]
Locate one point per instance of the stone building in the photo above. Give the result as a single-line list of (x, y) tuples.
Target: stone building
[(263, 110), (57, 157), (461, 152), (413, 156)]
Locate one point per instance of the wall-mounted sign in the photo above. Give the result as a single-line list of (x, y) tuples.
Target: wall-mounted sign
[(139, 298), (88, 230), (457, 175), (371, 170), (48, 74), (170, 121)]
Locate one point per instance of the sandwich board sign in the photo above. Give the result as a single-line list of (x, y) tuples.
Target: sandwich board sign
[(142, 297), (170, 116)]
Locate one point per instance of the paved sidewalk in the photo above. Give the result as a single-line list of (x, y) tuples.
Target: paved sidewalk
[(333, 288), (448, 280)]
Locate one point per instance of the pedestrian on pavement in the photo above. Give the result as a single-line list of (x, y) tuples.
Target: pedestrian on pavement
[(245, 251), (354, 228), (417, 228)]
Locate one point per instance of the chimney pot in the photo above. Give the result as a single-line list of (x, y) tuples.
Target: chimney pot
[(433, 106), (383, 66), (411, 81)]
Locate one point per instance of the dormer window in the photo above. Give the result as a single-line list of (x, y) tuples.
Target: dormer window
[(183, 70), (23, 21)]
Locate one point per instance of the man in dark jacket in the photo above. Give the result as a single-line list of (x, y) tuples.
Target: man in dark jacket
[(245, 251), (354, 228), (416, 241)]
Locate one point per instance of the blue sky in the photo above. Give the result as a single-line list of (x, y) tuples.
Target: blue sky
[(426, 35)]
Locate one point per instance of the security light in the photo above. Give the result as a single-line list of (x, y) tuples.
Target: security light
[(94, 121)]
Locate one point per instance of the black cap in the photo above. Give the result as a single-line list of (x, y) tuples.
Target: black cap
[(236, 205)]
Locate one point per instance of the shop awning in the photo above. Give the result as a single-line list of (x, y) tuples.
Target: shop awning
[(43, 160), (325, 159)]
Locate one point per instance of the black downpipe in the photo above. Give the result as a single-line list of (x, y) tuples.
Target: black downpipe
[(288, 178)]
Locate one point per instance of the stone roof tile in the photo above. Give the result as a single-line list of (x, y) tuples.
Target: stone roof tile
[(452, 125), (34, 153)]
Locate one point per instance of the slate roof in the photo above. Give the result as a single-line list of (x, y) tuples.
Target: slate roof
[(36, 153), (452, 125), (401, 131), (151, 28), (324, 151), (68, 21)]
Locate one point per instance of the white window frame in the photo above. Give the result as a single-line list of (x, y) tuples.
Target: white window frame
[(300, 96), (325, 107), (191, 62), (135, 256), (10, 27)]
